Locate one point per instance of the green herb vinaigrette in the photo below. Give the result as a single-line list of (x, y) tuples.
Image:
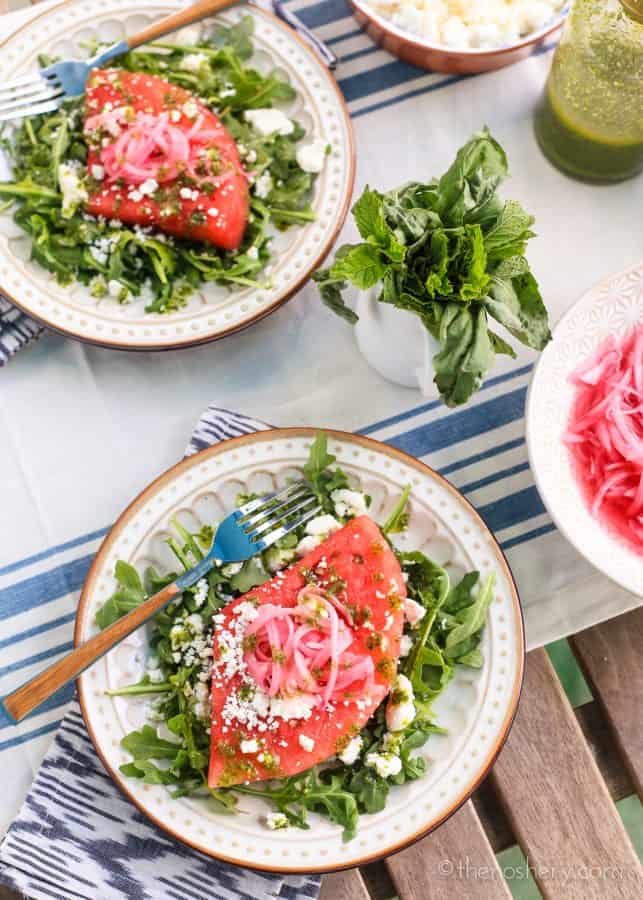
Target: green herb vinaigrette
[(590, 119)]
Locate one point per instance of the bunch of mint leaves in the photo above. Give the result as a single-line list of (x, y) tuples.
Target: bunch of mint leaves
[(452, 252)]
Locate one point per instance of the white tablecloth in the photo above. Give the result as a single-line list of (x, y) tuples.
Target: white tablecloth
[(83, 430)]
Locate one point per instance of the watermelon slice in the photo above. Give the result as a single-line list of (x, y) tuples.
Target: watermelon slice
[(278, 705), (159, 157)]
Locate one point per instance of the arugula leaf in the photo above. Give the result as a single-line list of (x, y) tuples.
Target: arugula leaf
[(370, 790), (252, 574), (237, 38), (399, 517), (460, 594), (471, 619), (130, 595), (318, 474), (146, 744)]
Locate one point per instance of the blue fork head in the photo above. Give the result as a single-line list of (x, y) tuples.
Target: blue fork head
[(72, 75), (231, 542)]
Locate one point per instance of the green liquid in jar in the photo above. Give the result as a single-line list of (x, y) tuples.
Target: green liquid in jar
[(590, 120)]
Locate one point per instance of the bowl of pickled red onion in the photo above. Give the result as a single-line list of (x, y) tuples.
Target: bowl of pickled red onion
[(585, 427)]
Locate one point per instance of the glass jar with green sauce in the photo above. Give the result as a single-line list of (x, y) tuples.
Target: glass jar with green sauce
[(589, 122)]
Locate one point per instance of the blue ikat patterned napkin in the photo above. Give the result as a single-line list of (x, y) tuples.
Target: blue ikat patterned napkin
[(78, 838)]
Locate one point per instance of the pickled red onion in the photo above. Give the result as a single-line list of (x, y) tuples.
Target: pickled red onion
[(152, 147), (605, 436), (305, 648)]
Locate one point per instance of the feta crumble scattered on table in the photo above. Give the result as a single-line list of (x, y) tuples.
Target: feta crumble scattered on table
[(475, 25)]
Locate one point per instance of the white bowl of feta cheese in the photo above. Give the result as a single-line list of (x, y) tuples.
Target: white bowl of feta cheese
[(460, 36)]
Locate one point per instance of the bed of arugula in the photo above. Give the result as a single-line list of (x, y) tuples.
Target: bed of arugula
[(451, 251), (227, 84), (448, 636)]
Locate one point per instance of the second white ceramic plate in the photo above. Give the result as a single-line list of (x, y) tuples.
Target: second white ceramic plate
[(212, 311), (612, 307), (477, 708)]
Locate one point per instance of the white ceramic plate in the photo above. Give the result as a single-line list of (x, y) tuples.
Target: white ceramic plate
[(213, 311), (477, 708), (612, 307)]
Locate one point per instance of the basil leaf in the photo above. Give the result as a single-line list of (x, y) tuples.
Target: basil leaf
[(514, 300), (467, 353)]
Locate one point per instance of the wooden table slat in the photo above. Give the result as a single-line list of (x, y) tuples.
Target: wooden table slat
[(611, 656), (557, 802), (347, 885), (454, 861)]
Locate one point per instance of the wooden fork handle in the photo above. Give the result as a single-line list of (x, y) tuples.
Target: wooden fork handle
[(34, 692), (187, 16)]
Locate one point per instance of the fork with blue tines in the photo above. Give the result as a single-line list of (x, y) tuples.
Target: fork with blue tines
[(248, 530), (45, 90)]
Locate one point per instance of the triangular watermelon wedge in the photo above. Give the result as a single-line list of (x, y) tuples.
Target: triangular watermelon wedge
[(349, 590), (159, 157)]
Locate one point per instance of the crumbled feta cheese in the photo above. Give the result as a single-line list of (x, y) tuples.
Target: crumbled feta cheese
[(192, 62), (349, 503), (351, 751), (325, 525), (149, 187), (72, 188), (311, 157), (400, 709), (253, 253), (115, 289), (406, 643), (97, 172), (190, 109), (231, 569), (263, 185), (175, 115), (213, 211), (276, 820), (297, 707), (482, 24), (385, 764), (306, 743), (201, 592), (269, 121), (414, 612), (251, 746), (308, 543), (155, 676), (317, 530)]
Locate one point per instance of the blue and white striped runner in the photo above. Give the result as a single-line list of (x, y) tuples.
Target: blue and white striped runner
[(370, 79), (77, 835)]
